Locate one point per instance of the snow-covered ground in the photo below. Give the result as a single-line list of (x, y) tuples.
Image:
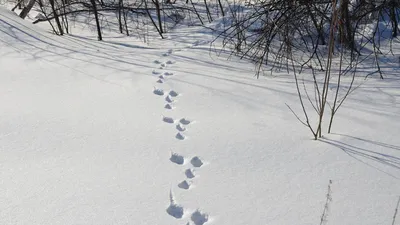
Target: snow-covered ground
[(123, 132)]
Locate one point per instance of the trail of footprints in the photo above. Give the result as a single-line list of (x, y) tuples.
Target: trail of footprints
[(169, 96), (178, 211), (174, 209)]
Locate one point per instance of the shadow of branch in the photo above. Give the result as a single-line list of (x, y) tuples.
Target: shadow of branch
[(367, 156)]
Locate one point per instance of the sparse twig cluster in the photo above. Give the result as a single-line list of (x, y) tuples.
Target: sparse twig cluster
[(313, 35), (160, 14)]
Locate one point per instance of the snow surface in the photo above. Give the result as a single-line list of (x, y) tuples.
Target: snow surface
[(86, 137)]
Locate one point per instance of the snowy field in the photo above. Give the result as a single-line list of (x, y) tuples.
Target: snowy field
[(165, 133)]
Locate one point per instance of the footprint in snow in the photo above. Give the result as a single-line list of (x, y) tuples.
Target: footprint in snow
[(180, 136), (168, 119), (160, 81), (157, 61), (158, 91), (185, 121), (166, 54), (176, 158), (161, 76), (175, 210), (199, 218), (156, 72), (168, 73), (163, 65), (190, 173), (169, 99), (170, 62), (173, 93), (196, 161), (180, 127), (185, 185), (169, 106)]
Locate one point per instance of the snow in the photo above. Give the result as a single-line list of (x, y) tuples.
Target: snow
[(86, 137)]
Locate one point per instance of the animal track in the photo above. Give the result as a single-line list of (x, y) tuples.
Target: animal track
[(185, 121), (158, 91), (174, 209), (169, 106), (190, 173), (173, 93), (168, 119), (180, 136), (185, 184), (180, 127), (169, 99), (196, 161), (176, 158), (156, 72), (199, 218)]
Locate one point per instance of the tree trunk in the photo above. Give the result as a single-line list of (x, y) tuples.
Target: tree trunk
[(96, 16), (345, 24), (393, 17), (120, 4), (221, 7), (158, 10), (126, 24), (151, 19), (208, 12), (27, 9), (57, 19)]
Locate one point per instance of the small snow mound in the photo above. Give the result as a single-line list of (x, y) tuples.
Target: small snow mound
[(173, 93), (180, 136), (199, 218), (168, 119), (169, 99), (180, 127), (196, 161), (158, 91), (185, 184), (190, 173), (185, 121), (168, 106), (176, 158)]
